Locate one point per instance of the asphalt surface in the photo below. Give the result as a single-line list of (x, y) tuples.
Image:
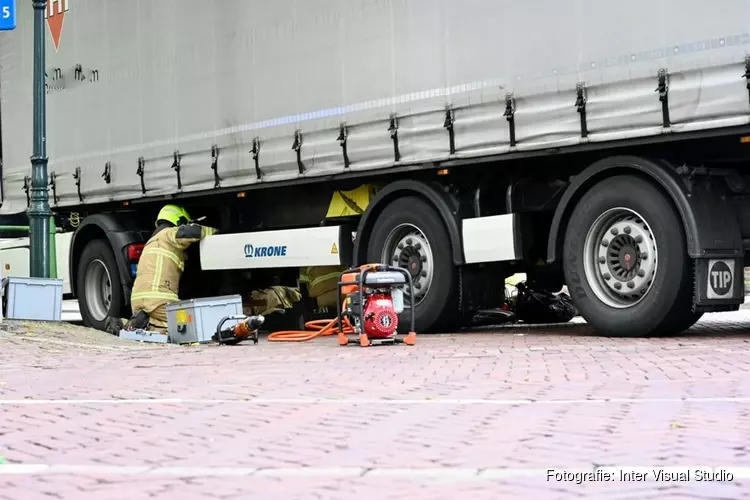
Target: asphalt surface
[(487, 414)]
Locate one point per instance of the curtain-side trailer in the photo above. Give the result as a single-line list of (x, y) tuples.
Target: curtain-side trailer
[(589, 143)]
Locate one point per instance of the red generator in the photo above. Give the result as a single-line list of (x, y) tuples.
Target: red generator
[(371, 297)]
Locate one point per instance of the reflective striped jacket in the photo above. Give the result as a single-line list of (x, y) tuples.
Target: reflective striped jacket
[(163, 261)]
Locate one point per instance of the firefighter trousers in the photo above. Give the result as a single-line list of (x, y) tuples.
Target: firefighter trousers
[(156, 311)]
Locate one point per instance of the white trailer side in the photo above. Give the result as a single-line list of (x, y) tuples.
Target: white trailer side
[(166, 76)]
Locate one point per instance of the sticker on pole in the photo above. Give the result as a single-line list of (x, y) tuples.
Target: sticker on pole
[(720, 279), (7, 15)]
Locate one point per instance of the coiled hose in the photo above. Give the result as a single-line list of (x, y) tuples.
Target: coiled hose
[(313, 329)]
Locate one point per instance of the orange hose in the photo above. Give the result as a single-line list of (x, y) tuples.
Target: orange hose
[(315, 329)]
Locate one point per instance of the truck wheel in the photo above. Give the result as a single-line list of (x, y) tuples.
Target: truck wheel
[(98, 285), (678, 322), (625, 260), (410, 234)]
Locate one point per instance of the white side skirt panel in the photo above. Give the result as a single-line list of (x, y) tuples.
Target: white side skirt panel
[(490, 239), (62, 253), (316, 246), (14, 257)]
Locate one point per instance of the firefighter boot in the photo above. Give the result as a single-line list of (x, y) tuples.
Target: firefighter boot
[(113, 326)]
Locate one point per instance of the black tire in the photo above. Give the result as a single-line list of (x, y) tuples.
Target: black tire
[(439, 311), (681, 317), (678, 323), (666, 307), (98, 253)]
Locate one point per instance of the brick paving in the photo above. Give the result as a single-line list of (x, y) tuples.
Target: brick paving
[(483, 413)]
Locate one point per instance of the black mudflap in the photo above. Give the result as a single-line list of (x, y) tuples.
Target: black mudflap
[(719, 285)]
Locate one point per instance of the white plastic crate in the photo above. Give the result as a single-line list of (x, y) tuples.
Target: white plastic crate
[(35, 299)]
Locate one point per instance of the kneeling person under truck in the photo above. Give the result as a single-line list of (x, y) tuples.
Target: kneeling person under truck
[(160, 268)]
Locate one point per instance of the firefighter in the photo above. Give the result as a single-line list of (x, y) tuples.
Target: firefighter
[(159, 270)]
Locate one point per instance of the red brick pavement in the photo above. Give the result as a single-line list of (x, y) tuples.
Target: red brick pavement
[(481, 414)]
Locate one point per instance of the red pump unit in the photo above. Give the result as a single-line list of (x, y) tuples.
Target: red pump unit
[(371, 299), (380, 320)]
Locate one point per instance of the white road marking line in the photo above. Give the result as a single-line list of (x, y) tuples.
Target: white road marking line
[(367, 401), (445, 474)]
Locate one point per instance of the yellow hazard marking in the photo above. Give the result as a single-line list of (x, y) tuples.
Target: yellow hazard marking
[(182, 316), (334, 250)]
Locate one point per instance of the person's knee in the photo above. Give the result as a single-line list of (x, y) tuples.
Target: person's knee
[(158, 329), (159, 315)]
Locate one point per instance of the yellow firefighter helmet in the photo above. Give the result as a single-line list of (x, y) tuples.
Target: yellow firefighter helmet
[(174, 214)]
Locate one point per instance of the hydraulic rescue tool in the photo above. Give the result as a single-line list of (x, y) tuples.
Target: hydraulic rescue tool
[(374, 297), (247, 328)]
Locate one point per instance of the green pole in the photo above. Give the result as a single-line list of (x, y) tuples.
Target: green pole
[(39, 210)]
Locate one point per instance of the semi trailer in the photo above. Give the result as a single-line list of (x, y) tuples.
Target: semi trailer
[(592, 144)]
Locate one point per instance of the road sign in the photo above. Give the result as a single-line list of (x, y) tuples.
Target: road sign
[(7, 15)]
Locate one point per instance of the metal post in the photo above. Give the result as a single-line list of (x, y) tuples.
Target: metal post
[(39, 211)]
